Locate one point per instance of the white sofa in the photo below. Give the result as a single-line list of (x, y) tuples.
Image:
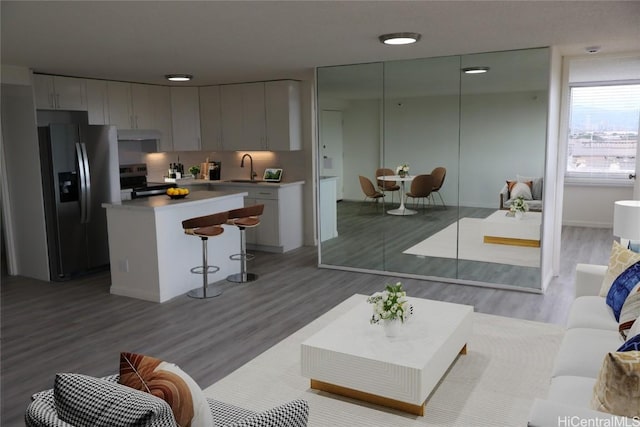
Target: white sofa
[(592, 332)]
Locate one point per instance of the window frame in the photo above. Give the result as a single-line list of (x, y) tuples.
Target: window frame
[(593, 178)]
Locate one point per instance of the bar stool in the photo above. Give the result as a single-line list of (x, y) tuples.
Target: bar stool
[(205, 227), (243, 218)]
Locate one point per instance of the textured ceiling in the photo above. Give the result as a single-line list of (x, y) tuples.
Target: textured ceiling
[(225, 42)]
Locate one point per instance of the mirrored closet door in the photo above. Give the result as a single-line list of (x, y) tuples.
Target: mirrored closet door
[(480, 129)]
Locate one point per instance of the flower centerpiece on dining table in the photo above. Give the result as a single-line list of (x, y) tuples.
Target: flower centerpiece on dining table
[(391, 308), (402, 170), (519, 206)]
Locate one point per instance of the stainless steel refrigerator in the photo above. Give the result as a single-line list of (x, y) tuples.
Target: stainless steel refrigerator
[(79, 172)]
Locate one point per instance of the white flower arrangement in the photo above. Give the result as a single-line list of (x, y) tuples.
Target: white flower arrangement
[(402, 169), (390, 304), (519, 205)]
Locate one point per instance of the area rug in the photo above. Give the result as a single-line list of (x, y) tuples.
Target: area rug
[(444, 244), (508, 365)]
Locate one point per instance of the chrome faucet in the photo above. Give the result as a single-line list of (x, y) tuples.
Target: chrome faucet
[(252, 173)]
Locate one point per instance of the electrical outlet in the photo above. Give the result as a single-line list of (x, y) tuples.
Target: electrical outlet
[(124, 265)]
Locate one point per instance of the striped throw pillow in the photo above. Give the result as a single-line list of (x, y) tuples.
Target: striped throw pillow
[(630, 312)]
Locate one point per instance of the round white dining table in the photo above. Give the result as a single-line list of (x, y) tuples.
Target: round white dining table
[(402, 209)]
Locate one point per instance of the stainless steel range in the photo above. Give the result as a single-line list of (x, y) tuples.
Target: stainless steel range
[(134, 177)]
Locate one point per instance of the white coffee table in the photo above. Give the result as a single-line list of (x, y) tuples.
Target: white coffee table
[(499, 228), (353, 358)]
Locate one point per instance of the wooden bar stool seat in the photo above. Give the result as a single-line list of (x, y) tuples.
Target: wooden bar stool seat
[(244, 218), (205, 227)]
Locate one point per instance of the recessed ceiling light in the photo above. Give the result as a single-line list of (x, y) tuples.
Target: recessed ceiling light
[(592, 49), (475, 70), (178, 77), (399, 38)]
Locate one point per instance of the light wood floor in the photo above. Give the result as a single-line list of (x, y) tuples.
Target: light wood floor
[(367, 225), (77, 326)]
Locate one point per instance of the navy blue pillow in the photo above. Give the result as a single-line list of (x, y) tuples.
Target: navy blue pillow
[(621, 287), (632, 344)]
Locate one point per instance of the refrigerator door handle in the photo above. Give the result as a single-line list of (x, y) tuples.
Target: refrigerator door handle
[(81, 173), (87, 181)]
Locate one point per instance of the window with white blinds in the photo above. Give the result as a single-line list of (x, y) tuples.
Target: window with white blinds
[(603, 131)]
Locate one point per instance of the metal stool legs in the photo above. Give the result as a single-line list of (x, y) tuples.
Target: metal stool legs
[(243, 256), (207, 290)]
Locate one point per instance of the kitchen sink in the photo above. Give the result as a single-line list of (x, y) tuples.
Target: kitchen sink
[(252, 181)]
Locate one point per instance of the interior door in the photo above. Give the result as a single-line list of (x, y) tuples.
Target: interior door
[(331, 152)]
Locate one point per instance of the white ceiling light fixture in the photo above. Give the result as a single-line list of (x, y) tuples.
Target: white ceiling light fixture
[(399, 38), (475, 70), (178, 77)]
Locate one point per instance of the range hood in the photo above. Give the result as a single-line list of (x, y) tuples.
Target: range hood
[(139, 134)]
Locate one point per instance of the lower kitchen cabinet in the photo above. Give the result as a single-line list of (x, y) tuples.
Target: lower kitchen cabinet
[(281, 224)]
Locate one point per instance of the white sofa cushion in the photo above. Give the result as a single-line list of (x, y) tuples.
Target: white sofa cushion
[(582, 351), (572, 390), (548, 413), (591, 312)]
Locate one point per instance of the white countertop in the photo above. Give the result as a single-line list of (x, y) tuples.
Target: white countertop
[(165, 202), (228, 183)]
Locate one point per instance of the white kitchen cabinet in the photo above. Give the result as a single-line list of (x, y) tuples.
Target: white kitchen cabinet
[(59, 93), (131, 105), (282, 106), (141, 106), (254, 116), (210, 118), (243, 117), (119, 95), (185, 118), (97, 102), (161, 101), (281, 224)]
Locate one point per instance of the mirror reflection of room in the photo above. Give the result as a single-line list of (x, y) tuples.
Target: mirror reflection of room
[(475, 133)]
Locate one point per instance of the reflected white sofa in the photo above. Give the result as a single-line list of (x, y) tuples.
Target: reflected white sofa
[(535, 204), (592, 332)]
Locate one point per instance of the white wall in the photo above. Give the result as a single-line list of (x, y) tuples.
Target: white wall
[(24, 183), (423, 133), (501, 135), (361, 143), (592, 205)]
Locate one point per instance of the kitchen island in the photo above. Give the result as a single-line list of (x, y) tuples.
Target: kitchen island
[(150, 254)]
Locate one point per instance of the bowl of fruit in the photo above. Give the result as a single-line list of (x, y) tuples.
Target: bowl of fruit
[(177, 193)]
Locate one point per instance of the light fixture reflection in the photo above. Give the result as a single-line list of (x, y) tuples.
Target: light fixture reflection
[(475, 70)]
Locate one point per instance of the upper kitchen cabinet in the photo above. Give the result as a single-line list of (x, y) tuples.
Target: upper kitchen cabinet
[(261, 116), (59, 93), (131, 105), (141, 106), (282, 100), (210, 118), (119, 95), (161, 102), (97, 102), (243, 117), (185, 115)]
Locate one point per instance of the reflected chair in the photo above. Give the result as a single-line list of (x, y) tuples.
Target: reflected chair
[(421, 188), (384, 185), (438, 175), (205, 227), (369, 190), (243, 218)]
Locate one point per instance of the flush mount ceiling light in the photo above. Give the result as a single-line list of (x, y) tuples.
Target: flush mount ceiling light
[(475, 70), (399, 38), (178, 77)]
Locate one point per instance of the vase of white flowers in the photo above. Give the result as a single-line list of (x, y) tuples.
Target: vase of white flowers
[(402, 170), (390, 308), (519, 207)]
